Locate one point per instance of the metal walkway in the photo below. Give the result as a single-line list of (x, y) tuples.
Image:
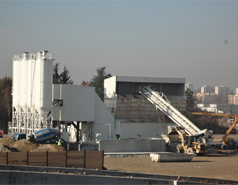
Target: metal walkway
[(164, 105)]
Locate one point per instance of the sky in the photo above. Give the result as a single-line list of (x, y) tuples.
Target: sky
[(195, 40)]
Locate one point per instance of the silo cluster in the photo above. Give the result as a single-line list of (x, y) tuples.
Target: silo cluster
[(32, 91)]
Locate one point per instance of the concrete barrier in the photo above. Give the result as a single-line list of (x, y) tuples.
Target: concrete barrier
[(82, 146), (89, 146), (132, 145), (171, 157), (12, 174), (10, 177)]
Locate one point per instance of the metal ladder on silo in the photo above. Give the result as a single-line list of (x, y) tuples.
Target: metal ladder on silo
[(163, 105)]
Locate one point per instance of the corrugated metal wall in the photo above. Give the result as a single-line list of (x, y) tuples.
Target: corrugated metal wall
[(137, 107)]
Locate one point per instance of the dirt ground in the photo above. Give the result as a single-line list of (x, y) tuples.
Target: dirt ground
[(211, 166), (217, 166)]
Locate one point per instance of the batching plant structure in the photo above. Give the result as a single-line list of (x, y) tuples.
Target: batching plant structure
[(32, 92)]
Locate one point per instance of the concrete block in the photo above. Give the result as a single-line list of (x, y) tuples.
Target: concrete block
[(171, 157), (132, 145), (82, 147), (89, 147), (73, 146)]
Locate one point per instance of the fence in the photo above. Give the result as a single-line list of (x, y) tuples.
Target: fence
[(79, 159)]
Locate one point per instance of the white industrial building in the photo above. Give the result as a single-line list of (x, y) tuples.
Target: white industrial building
[(38, 104), (135, 116), (82, 105)]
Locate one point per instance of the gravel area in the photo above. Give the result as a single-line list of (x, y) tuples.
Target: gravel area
[(217, 166)]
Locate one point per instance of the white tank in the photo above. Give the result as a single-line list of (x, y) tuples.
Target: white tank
[(31, 82), (43, 84), (24, 81), (16, 82)]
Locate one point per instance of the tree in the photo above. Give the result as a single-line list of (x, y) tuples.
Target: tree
[(62, 78), (5, 102), (65, 77), (202, 122), (98, 81), (56, 76), (190, 100)]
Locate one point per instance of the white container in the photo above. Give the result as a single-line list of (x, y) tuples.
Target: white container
[(43, 84), (24, 82), (31, 83), (16, 82)]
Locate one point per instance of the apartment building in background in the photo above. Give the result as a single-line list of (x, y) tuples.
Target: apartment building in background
[(207, 89), (222, 90), (233, 99)]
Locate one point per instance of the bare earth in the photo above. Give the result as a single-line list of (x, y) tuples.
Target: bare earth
[(217, 166), (212, 166)]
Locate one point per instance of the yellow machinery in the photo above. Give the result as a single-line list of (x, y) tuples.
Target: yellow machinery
[(227, 142), (190, 144), (177, 140)]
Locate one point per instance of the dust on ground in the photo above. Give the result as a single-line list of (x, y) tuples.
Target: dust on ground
[(9, 145)]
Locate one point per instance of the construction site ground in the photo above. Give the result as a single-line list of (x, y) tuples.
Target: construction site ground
[(212, 165), (215, 165)]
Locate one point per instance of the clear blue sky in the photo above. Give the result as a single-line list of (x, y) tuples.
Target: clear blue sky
[(133, 38)]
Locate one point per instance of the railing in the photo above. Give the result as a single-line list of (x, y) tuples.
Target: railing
[(32, 56), (164, 106)]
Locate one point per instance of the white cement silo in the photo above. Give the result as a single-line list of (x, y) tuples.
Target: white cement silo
[(32, 91), (16, 82), (31, 82), (43, 83), (24, 82)]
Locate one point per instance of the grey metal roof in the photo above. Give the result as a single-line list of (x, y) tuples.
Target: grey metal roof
[(149, 79), (138, 120)]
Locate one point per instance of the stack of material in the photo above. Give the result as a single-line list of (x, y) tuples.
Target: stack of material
[(8, 145), (3, 148), (7, 141), (24, 145)]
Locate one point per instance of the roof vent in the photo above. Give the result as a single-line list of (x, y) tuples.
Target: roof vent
[(25, 54)]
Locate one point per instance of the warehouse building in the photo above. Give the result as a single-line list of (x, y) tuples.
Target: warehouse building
[(135, 116)]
